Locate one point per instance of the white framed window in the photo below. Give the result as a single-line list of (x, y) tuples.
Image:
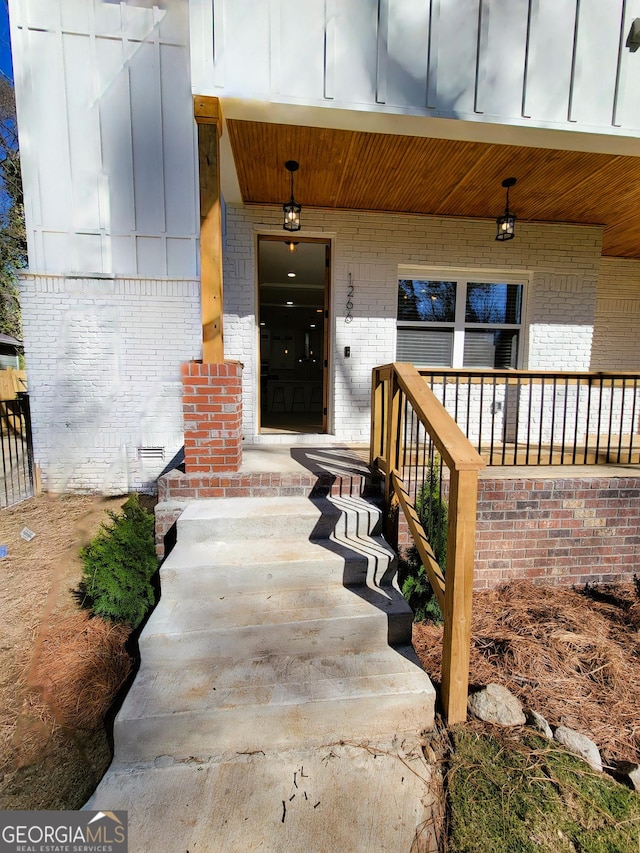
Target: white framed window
[(471, 321)]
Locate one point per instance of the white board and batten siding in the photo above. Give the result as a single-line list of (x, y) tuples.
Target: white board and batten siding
[(561, 64), (111, 302), (107, 136)]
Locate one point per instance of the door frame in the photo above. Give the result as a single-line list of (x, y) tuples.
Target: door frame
[(327, 374)]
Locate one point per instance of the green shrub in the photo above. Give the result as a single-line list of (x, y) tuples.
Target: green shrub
[(417, 590), (118, 565), (433, 512), (434, 516)]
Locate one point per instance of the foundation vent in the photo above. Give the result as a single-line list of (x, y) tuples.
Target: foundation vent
[(151, 454)]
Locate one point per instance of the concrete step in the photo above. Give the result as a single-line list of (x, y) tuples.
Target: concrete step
[(214, 684), (241, 519), (209, 569), (274, 631), (327, 619), (201, 710)]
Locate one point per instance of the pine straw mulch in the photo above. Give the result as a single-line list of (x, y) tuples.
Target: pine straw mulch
[(53, 747), (80, 666), (572, 656)]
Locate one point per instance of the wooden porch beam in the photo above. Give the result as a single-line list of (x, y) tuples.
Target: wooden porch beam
[(209, 120)]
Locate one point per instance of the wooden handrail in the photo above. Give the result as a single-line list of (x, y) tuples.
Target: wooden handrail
[(394, 388)]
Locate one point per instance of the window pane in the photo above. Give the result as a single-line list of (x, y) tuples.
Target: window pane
[(493, 303), (425, 347), (491, 348), (431, 301)]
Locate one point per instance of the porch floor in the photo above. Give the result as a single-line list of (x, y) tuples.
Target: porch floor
[(304, 458), (294, 458)]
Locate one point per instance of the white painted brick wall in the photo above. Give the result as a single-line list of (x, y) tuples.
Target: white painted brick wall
[(563, 262), (103, 354), (103, 359), (615, 337)]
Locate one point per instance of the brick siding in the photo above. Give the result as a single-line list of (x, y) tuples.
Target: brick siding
[(559, 531), (212, 407), (115, 345), (615, 333), (103, 362)]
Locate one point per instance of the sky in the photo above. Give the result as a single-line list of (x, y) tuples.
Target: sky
[(5, 49)]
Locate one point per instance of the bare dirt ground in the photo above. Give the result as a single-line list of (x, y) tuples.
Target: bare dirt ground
[(43, 763)]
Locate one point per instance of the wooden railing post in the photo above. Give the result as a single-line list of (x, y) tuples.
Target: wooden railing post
[(392, 450), (402, 386), (458, 594), (377, 409), (394, 427)]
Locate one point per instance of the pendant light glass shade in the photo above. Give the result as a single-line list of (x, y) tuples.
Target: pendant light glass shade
[(291, 208), (507, 222)]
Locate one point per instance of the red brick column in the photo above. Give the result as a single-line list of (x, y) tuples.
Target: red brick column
[(212, 410)]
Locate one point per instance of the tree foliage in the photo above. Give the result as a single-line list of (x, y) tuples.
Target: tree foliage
[(118, 565), (13, 243), (433, 512)]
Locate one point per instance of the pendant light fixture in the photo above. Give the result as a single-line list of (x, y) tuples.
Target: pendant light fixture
[(291, 208), (507, 222)]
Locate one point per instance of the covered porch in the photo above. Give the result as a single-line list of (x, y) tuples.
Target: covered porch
[(416, 202), (395, 201), (408, 207)]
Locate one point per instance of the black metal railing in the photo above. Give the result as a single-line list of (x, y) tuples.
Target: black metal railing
[(524, 417), (17, 471)]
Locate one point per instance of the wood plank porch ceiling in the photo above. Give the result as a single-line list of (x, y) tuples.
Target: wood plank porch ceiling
[(351, 170)]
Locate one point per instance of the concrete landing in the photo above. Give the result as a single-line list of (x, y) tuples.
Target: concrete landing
[(340, 798), (280, 637)]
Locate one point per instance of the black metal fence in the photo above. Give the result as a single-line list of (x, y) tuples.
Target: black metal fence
[(17, 472), (523, 417)]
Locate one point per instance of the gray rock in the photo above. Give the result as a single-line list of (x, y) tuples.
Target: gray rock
[(634, 778), (625, 772), (495, 704), (538, 722), (580, 745)]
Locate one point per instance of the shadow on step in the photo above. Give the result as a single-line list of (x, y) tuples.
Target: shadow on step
[(370, 564), (340, 461), (340, 470)]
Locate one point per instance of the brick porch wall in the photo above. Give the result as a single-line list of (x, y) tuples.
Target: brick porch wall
[(212, 409), (556, 531)]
